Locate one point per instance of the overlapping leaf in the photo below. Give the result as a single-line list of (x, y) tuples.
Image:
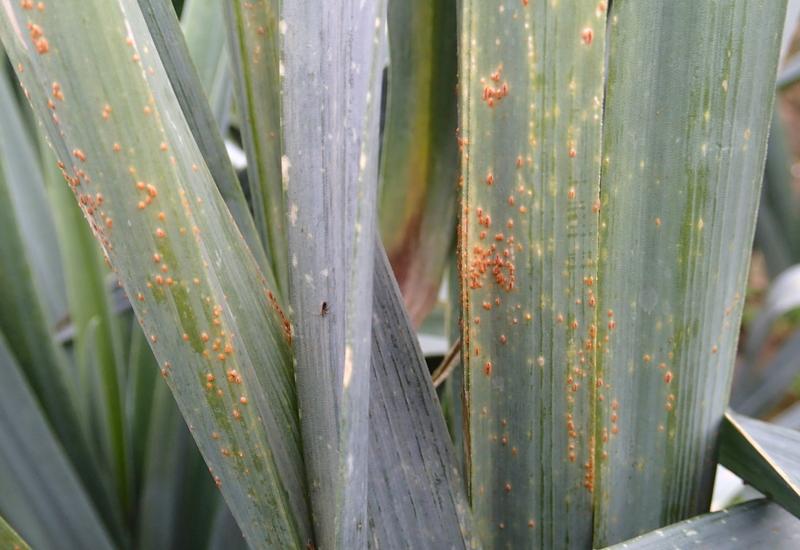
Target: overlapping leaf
[(214, 325)]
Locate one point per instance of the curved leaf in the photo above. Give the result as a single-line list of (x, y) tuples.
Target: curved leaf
[(419, 160)]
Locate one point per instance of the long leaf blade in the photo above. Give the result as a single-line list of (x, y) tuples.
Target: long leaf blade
[(531, 82), (40, 492), (330, 169), (685, 131), (204, 305), (186, 83), (254, 46), (92, 318), (27, 194), (401, 406), (416, 492), (206, 39), (24, 321)]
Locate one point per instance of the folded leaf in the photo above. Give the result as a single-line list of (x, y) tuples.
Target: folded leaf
[(416, 492), (764, 455)]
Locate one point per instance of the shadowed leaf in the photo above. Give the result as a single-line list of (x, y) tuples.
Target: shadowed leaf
[(419, 162)]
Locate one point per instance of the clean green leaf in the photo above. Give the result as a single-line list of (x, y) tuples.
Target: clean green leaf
[(531, 84), (761, 393), (782, 297), (213, 323), (206, 40), (40, 491), (687, 112), (778, 229), (18, 156)]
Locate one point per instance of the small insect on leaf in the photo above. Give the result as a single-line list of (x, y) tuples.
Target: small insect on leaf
[(324, 309)]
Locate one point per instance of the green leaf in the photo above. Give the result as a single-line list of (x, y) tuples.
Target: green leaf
[(178, 501), (531, 84), (416, 492), (22, 314), (225, 534), (453, 388), (142, 390), (24, 322), (419, 162), (207, 42), (186, 84), (255, 54), (18, 156), (440, 508), (330, 171), (89, 300), (206, 293), (754, 524), (782, 297), (40, 492), (777, 228), (759, 387), (764, 455), (687, 112), (759, 395), (10, 539)]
